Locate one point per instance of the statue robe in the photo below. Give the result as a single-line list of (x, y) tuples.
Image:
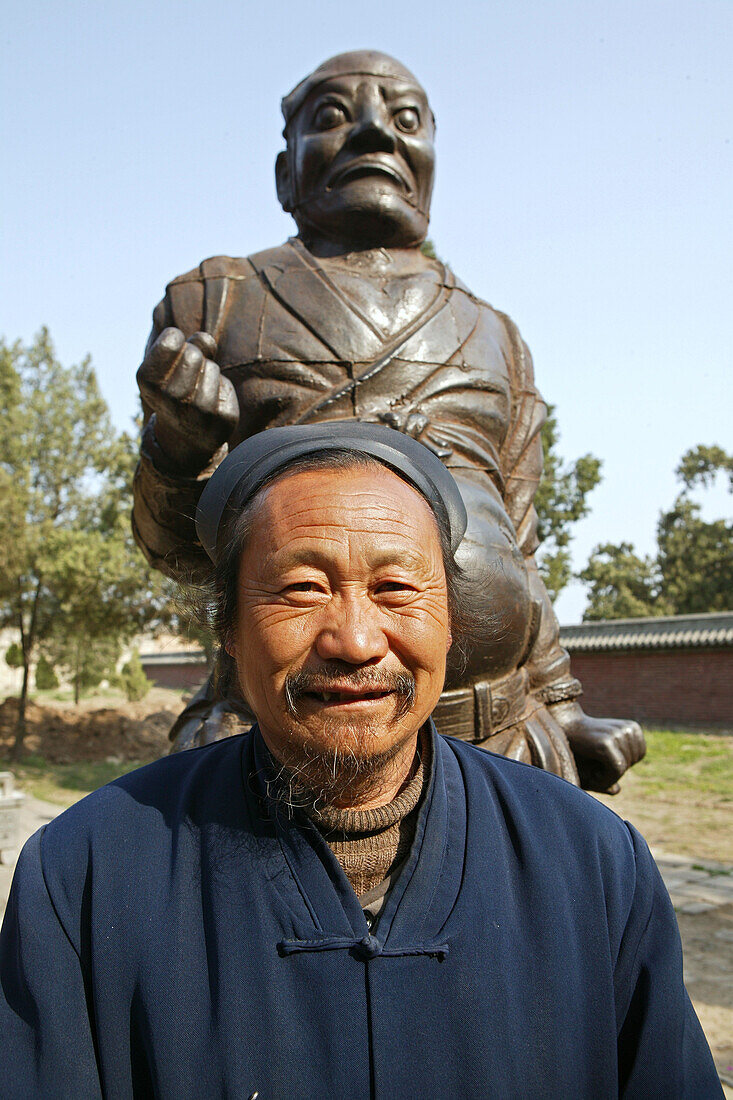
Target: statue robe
[(169, 936), (449, 370)]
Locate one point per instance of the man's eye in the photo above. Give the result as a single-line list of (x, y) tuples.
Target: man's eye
[(303, 586), (329, 116), (407, 119), (387, 587)]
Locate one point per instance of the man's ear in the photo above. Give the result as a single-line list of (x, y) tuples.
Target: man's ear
[(283, 182), (231, 648)]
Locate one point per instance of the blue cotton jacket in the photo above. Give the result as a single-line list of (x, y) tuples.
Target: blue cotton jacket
[(167, 937)]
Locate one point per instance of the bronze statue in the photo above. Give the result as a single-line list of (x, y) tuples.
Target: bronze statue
[(351, 319)]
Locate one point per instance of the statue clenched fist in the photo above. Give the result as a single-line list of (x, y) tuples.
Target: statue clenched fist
[(194, 404)]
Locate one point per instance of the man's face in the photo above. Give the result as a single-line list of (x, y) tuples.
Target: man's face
[(342, 627), (361, 162)]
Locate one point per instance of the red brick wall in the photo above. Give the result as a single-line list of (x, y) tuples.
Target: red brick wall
[(178, 676), (692, 687)]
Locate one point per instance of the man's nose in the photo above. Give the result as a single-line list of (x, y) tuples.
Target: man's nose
[(352, 631)]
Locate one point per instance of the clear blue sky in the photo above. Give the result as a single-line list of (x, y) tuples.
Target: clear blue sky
[(584, 186)]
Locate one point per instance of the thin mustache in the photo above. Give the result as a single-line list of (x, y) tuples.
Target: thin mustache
[(302, 683)]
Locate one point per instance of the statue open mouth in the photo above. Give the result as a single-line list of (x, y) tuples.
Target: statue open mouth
[(369, 166)]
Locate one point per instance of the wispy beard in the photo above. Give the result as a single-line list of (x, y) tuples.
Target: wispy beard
[(346, 770), (339, 775)]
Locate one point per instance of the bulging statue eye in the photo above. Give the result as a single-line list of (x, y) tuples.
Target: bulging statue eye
[(407, 119), (328, 116)]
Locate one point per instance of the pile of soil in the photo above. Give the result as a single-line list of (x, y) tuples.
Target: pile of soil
[(65, 734)]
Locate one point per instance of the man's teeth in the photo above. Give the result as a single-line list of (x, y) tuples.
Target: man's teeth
[(346, 697)]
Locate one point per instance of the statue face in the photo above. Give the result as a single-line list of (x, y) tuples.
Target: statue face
[(360, 162)]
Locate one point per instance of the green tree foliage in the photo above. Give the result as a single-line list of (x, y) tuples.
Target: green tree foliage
[(134, 682), (103, 591), (695, 560), (692, 571), (72, 583), (561, 500), (701, 465), (14, 656), (622, 585), (46, 678)]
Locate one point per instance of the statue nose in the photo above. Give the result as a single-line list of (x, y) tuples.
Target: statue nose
[(372, 135)]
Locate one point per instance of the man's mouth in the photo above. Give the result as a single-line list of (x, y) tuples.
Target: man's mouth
[(370, 166), (351, 692), (339, 698)]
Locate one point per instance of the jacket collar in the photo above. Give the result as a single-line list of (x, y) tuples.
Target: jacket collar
[(311, 880)]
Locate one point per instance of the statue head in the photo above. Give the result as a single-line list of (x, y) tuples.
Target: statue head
[(358, 169)]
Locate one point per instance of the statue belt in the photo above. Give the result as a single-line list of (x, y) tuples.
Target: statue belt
[(483, 709)]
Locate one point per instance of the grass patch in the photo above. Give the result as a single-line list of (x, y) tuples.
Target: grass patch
[(681, 763), (64, 784), (680, 795)]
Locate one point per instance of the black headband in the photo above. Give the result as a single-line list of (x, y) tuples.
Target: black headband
[(250, 464)]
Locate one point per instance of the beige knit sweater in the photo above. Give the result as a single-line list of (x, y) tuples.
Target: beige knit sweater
[(369, 844)]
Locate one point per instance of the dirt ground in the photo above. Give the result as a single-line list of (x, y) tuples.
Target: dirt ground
[(707, 941), (65, 734), (686, 822)]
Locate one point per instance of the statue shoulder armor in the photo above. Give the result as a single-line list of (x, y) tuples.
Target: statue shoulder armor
[(283, 255), (215, 267), (520, 355), (230, 267), (492, 326), (200, 298)]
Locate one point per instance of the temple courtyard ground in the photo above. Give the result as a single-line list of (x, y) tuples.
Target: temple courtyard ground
[(680, 797)]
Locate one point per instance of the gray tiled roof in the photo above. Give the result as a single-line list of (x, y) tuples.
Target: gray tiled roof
[(664, 632)]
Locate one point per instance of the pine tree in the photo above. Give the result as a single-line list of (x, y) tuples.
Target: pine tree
[(46, 678), (134, 682), (72, 582)]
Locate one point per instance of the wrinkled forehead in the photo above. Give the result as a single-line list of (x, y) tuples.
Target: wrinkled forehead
[(331, 507), (345, 71)]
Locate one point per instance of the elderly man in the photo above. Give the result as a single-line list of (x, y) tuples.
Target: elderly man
[(350, 319), (340, 902)]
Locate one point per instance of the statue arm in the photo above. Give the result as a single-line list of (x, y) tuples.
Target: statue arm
[(164, 511), (551, 680), (164, 498), (603, 747)]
